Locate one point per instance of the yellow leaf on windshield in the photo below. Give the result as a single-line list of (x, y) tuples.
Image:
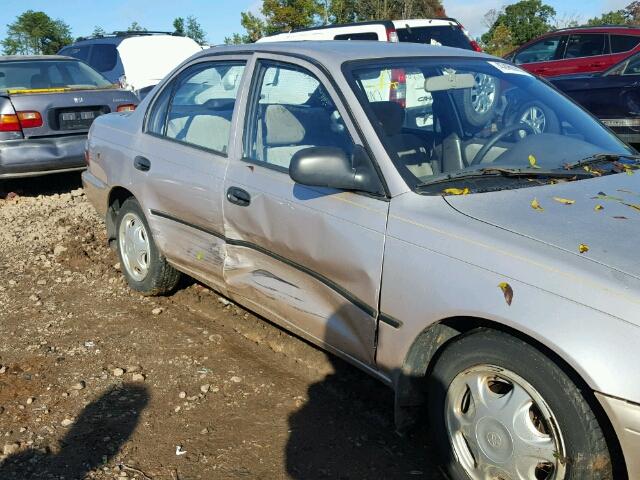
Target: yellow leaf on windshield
[(456, 191), (593, 171), (635, 206), (598, 207), (565, 201), (536, 205), (533, 162), (507, 291), (583, 248)]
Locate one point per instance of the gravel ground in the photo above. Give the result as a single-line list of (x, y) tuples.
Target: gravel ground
[(99, 382)]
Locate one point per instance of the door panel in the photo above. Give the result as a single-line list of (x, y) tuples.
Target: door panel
[(308, 258), (188, 135)]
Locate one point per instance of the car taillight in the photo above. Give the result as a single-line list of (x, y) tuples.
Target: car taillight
[(392, 35), (9, 123), (475, 46), (30, 119), (126, 107), (398, 87)]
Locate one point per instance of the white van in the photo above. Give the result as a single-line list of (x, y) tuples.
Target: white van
[(136, 60), (430, 31)]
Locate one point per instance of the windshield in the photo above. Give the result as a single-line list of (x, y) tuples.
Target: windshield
[(445, 118), (448, 35), (45, 74)]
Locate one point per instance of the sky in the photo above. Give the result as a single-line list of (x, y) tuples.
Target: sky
[(221, 18)]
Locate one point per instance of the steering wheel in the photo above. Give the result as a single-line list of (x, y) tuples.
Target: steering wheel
[(497, 136)]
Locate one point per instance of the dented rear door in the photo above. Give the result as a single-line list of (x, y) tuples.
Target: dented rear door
[(308, 258)]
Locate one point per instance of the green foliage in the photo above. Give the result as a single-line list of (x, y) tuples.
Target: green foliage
[(98, 31), (136, 27), (195, 31), (616, 17), (525, 20), (178, 26), (254, 27), (501, 42), (287, 15), (36, 33)]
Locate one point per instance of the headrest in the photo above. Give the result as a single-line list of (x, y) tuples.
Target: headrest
[(390, 116), (283, 128)]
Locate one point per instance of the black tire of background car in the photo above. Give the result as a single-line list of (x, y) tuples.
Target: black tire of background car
[(161, 278), (588, 456), (552, 124), (472, 118)]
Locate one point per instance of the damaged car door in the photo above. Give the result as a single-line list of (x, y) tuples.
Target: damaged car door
[(309, 258)]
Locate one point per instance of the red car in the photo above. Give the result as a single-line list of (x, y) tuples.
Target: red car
[(577, 50)]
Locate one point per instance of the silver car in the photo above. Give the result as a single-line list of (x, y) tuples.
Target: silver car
[(390, 204)]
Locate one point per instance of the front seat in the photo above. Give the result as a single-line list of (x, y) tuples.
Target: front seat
[(409, 148)]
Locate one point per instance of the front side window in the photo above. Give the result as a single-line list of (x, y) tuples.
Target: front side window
[(585, 45), (291, 110), (444, 119), (542, 51), (201, 107), (632, 66)]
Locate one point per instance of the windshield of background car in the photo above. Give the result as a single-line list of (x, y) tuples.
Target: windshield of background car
[(445, 117), (43, 74), (448, 35)]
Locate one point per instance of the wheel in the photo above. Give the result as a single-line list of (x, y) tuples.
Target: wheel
[(144, 268), (541, 118), (499, 409), (479, 102)]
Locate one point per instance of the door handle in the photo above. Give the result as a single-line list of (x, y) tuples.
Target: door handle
[(141, 163), (238, 196)]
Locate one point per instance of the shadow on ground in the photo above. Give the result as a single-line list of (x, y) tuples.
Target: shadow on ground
[(96, 436), (45, 185)]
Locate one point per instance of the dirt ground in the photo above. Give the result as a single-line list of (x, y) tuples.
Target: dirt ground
[(99, 382)]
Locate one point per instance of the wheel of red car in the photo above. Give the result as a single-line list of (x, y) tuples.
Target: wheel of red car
[(537, 115), (501, 409), (144, 268)]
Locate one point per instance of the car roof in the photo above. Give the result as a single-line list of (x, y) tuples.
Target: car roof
[(336, 52), (13, 58), (629, 29)]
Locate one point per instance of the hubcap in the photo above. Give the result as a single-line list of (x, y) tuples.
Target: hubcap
[(501, 428), (535, 118), (134, 246), (483, 93)]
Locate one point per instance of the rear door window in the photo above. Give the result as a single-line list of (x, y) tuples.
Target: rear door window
[(357, 36), (541, 51), (104, 57), (447, 35), (585, 45), (623, 43)]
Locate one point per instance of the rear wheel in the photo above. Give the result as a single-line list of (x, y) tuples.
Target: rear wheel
[(145, 269), (501, 410)]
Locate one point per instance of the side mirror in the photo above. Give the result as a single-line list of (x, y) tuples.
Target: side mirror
[(331, 167)]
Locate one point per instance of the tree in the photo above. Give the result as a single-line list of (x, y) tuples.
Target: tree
[(615, 17), (36, 33), (136, 27), (98, 32), (501, 42), (287, 15), (195, 31), (525, 20), (178, 26)]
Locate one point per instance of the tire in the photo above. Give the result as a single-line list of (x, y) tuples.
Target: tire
[(478, 114), (153, 275), (562, 424), (551, 123)]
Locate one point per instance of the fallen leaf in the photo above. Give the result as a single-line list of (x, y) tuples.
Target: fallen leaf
[(598, 207), (507, 291), (456, 191), (566, 201), (620, 217), (635, 206), (593, 171), (604, 196), (536, 205), (533, 162), (583, 248)]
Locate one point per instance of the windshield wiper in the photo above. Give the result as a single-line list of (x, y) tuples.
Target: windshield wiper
[(505, 172), (600, 157)]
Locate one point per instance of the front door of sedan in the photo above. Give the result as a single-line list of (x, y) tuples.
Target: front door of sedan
[(309, 258), (183, 155)]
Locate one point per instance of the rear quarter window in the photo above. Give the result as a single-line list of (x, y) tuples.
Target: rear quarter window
[(104, 57), (357, 36)]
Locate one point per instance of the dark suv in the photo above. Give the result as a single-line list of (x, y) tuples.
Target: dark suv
[(577, 50)]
